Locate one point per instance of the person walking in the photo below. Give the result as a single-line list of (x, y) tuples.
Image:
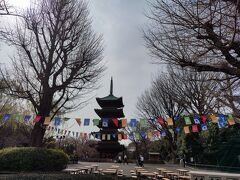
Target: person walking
[(141, 160), (125, 159), (119, 159)]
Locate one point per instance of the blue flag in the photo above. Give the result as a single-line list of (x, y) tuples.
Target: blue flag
[(98, 135), (86, 122), (27, 118), (133, 123), (114, 135), (6, 117), (131, 136), (176, 118), (203, 127), (143, 134), (222, 121), (196, 120), (178, 130), (163, 133), (57, 121), (104, 122)]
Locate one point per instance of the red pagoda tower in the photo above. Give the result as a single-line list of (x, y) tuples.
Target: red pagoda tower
[(110, 112)]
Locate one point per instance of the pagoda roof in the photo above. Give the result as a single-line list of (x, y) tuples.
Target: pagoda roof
[(110, 100), (110, 113)]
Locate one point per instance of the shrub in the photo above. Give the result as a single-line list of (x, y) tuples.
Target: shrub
[(32, 159)]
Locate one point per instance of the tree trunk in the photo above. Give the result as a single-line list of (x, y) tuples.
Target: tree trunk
[(39, 128)]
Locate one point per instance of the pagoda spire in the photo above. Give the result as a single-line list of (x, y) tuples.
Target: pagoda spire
[(111, 87)]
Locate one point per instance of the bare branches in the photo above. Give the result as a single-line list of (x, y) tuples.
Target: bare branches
[(198, 34), (58, 56)]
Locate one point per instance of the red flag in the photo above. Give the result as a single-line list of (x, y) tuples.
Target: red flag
[(124, 136), (194, 128), (37, 119), (115, 121), (204, 118), (161, 121), (157, 133)]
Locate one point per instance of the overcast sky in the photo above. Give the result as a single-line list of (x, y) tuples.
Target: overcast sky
[(126, 58)]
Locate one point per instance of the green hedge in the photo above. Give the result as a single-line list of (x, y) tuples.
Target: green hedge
[(32, 159)]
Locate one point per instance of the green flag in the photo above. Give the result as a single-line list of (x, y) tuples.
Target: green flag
[(187, 120), (137, 136), (142, 122), (95, 122)]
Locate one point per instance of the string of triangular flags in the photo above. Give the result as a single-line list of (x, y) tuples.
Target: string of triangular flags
[(191, 124)]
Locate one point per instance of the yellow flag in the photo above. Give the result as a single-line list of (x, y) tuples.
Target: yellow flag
[(103, 136), (231, 122), (78, 121), (47, 120), (119, 137), (150, 134), (81, 135), (170, 121), (124, 122), (214, 118), (186, 129)]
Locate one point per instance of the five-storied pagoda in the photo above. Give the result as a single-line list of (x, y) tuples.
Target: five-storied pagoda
[(110, 112)]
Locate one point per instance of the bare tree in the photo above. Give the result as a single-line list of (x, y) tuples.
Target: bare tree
[(195, 91), (58, 58), (200, 34), (178, 91), (159, 101)]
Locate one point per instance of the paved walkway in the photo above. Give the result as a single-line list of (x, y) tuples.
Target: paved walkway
[(127, 167)]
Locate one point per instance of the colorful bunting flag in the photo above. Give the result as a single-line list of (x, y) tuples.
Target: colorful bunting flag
[(163, 133), (137, 136), (214, 118), (133, 123), (124, 136), (27, 118), (157, 133), (131, 136), (142, 123), (203, 127), (108, 137), (177, 130), (57, 121), (222, 121), (47, 120), (119, 137), (114, 136), (176, 118), (103, 136), (187, 120), (104, 122), (78, 120), (143, 135), (6, 117), (161, 121), (186, 129), (230, 120), (86, 122), (150, 134), (115, 121), (98, 135), (37, 119), (124, 122), (96, 122), (65, 119), (170, 121), (18, 117), (194, 128), (196, 120), (204, 118)]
